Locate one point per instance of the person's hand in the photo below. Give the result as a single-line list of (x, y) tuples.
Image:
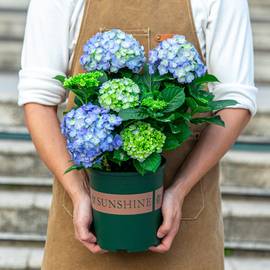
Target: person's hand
[(171, 211), (82, 219)]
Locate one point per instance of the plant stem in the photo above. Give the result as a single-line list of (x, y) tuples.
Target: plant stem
[(106, 164)]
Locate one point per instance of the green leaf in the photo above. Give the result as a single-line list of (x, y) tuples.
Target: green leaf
[(152, 162), (164, 77), (126, 73), (127, 123), (74, 167), (163, 119), (221, 104), (205, 95), (146, 95), (175, 127), (133, 113), (143, 88), (184, 134), (60, 78), (120, 154), (148, 79), (154, 114), (138, 167), (206, 78), (195, 108), (77, 101), (177, 115), (136, 78), (171, 142), (111, 158), (168, 84), (175, 96), (209, 120)]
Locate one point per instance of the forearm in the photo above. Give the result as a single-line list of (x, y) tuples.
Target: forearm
[(44, 127), (211, 147)]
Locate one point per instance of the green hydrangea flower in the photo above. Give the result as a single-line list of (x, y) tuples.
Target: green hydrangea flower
[(154, 105), (85, 80), (119, 94), (140, 140)]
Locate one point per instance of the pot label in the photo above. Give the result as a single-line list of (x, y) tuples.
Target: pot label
[(158, 198), (131, 204)]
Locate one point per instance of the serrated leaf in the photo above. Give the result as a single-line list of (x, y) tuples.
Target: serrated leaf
[(152, 162), (175, 127), (168, 84), (120, 154), (175, 96), (171, 142), (74, 167), (146, 95), (136, 78), (182, 136), (148, 79), (133, 113), (60, 78), (195, 108), (206, 78), (117, 161), (77, 101), (159, 78), (126, 72), (206, 95), (177, 115), (221, 104), (154, 114), (209, 120), (138, 167), (127, 123)]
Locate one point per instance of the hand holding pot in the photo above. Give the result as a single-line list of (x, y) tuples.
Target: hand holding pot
[(82, 219), (172, 212)]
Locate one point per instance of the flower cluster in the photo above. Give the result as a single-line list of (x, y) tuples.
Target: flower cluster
[(119, 94), (155, 105), (88, 131), (140, 140), (179, 57), (85, 80), (111, 51)]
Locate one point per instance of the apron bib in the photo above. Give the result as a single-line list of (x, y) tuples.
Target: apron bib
[(198, 244)]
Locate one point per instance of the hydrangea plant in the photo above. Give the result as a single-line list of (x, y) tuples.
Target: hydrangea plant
[(140, 140), (112, 51), (178, 57), (119, 94), (122, 120), (89, 133)]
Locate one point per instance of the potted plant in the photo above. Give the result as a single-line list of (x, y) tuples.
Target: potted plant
[(123, 121)]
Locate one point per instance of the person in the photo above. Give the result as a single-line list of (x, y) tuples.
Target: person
[(53, 29)]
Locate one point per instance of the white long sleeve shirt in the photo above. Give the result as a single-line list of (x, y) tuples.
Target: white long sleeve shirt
[(52, 28)]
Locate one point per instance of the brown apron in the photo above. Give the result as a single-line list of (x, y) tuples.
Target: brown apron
[(199, 242)]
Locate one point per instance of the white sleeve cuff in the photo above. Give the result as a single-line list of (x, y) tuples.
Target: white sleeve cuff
[(38, 86), (245, 95)]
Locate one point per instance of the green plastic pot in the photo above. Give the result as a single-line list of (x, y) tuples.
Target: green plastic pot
[(127, 208)]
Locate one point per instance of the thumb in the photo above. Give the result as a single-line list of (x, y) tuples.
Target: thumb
[(166, 225)]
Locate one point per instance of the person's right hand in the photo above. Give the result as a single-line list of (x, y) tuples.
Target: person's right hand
[(82, 219)]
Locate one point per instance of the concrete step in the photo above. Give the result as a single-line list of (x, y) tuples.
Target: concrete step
[(31, 259), (24, 212), (259, 10), (246, 169), (246, 219), (240, 263), (20, 258), (20, 158)]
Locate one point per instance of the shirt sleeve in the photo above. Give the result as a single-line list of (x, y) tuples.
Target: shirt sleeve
[(45, 52), (229, 52)]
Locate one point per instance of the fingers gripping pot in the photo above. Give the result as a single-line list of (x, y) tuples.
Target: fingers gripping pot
[(127, 208)]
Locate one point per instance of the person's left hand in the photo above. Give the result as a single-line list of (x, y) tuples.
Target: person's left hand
[(171, 211)]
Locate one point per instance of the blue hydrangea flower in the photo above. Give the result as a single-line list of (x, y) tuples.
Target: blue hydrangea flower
[(179, 57), (88, 131), (111, 51)]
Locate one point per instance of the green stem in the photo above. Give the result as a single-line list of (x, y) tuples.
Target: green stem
[(106, 164)]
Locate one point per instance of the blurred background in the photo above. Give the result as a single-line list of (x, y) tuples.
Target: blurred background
[(25, 182)]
